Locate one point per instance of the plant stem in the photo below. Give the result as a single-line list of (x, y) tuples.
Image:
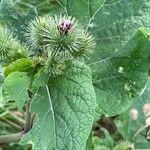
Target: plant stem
[(19, 120), (17, 136), (4, 113), (10, 138), (27, 118), (139, 130), (10, 123)]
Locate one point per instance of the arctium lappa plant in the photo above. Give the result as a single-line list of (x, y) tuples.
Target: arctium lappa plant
[(66, 63), (61, 36), (10, 48), (52, 82)]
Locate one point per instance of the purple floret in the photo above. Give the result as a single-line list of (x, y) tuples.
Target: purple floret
[(65, 25)]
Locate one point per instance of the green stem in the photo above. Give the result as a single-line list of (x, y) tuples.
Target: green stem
[(10, 123), (10, 138), (17, 136), (4, 113), (27, 118), (19, 120), (140, 130)]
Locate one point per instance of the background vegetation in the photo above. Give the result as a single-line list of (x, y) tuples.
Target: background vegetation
[(120, 67)]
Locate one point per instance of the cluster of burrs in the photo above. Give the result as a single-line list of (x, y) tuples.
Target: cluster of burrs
[(58, 39), (51, 40), (10, 48), (62, 37)]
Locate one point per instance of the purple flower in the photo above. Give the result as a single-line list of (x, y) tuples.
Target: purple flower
[(65, 25)]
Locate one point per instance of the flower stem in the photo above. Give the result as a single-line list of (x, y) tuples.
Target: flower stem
[(17, 136), (11, 123), (10, 138), (28, 118), (140, 130)]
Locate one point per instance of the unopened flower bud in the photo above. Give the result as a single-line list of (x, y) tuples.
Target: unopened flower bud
[(146, 109), (134, 114)]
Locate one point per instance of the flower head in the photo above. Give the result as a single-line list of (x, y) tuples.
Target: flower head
[(65, 25), (10, 48), (61, 36), (35, 31)]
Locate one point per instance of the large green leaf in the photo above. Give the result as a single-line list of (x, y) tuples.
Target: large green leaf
[(113, 31), (42, 134), (113, 24), (84, 10), (22, 65), (15, 88), (65, 111), (14, 19), (121, 78), (43, 7)]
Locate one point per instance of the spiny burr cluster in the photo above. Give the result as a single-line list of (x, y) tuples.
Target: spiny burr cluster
[(62, 37)]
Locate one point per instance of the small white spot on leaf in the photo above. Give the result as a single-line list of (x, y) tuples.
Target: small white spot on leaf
[(106, 13), (116, 50), (92, 25), (121, 69), (127, 87)]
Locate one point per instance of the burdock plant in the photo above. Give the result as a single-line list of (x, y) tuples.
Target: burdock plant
[(61, 36), (10, 48), (47, 75), (52, 57)]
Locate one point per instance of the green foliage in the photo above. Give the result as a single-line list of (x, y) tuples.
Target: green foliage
[(43, 7), (46, 67), (133, 126), (22, 65), (108, 143), (122, 76), (62, 37), (15, 20), (65, 109), (10, 48), (113, 32), (43, 134), (15, 88)]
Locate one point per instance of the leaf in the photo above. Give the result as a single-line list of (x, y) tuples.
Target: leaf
[(42, 134), (89, 142), (65, 111), (43, 7), (88, 9), (22, 65), (142, 145), (40, 79), (112, 31), (15, 88), (98, 144), (119, 79), (15, 20)]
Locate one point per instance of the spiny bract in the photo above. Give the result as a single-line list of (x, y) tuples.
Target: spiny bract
[(61, 36), (10, 48)]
